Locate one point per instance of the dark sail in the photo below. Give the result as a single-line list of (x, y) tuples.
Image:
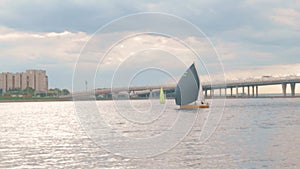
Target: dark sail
[(187, 89)]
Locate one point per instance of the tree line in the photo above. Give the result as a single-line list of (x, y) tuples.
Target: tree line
[(29, 90)]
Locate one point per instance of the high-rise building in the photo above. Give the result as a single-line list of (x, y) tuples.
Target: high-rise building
[(36, 79)]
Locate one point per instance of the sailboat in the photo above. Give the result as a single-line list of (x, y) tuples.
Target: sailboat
[(188, 92), (162, 96)]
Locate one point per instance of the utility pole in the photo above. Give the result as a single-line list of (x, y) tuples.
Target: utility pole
[(86, 86)]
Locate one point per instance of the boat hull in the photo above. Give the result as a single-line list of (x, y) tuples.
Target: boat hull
[(201, 106)]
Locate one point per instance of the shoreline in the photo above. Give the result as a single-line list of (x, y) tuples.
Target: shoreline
[(33, 100), (70, 99)]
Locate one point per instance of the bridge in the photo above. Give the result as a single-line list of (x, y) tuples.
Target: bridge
[(251, 85)]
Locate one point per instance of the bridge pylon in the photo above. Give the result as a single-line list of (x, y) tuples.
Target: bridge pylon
[(283, 85), (293, 86)]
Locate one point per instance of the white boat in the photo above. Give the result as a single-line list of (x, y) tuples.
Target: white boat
[(188, 92)]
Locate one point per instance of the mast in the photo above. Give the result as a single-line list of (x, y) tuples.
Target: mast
[(200, 95)]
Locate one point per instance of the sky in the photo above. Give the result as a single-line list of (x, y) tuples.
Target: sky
[(252, 38)]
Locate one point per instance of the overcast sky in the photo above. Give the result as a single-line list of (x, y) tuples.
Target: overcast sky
[(252, 37)]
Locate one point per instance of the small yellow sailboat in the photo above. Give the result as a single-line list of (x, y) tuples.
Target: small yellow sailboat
[(162, 98)]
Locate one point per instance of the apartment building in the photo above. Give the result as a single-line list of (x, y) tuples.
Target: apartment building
[(36, 79)]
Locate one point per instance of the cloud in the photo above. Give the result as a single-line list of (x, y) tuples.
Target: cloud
[(56, 15), (256, 72), (280, 70), (287, 16), (55, 52), (139, 51), (267, 55), (87, 16), (247, 34), (62, 46), (58, 51), (227, 51)]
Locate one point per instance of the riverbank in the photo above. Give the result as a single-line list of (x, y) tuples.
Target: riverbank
[(32, 99)]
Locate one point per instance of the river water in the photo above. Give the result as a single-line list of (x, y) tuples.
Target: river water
[(252, 133)]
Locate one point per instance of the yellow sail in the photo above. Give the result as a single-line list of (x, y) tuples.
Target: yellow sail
[(162, 96)]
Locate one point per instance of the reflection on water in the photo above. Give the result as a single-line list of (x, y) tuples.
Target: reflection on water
[(254, 133)]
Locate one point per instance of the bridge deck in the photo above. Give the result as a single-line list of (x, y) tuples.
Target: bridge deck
[(205, 85)]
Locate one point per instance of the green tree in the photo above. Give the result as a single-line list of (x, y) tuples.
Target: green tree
[(55, 92), (14, 91), (28, 90), (65, 92)]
